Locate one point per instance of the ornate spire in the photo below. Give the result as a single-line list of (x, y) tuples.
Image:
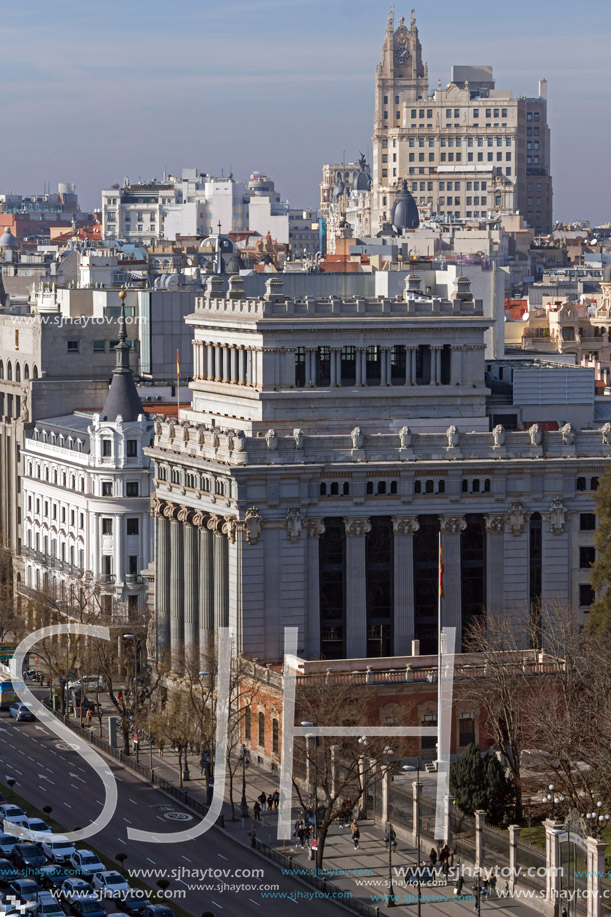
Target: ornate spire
[(122, 399)]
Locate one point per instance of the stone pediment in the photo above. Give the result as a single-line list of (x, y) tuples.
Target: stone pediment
[(455, 92)]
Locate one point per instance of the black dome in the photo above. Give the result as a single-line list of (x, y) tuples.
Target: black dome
[(404, 210)]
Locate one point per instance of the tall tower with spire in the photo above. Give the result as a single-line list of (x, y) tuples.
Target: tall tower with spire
[(401, 79), (123, 399)]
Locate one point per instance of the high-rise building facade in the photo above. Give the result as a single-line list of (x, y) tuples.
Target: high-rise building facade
[(466, 151)]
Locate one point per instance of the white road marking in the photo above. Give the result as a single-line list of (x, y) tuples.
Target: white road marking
[(99, 803), (255, 902), (76, 777), (44, 777), (18, 772), (67, 806), (121, 842), (186, 858), (151, 861), (216, 905), (74, 786), (133, 801), (127, 820), (222, 857), (160, 818)]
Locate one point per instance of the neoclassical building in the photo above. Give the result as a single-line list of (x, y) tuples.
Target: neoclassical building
[(328, 444)]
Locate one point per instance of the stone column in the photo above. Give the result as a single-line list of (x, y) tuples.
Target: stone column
[(480, 821), (382, 354), (333, 366), (220, 572), (242, 366), (233, 370), (314, 528), (456, 366), (338, 362), (218, 368), (191, 590), (356, 587), (451, 603), (177, 621), (403, 575), (162, 576), (495, 555), (95, 542), (225, 363), (414, 359), (435, 351), (389, 351), (358, 365), (210, 361), (249, 366), (206, 597), (514, 837), (552, 862), (310, 366), (595, 870)]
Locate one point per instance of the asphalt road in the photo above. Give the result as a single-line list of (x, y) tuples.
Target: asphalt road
[(47, 772)]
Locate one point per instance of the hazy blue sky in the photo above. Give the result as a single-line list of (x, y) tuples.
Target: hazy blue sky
[(97, 91)]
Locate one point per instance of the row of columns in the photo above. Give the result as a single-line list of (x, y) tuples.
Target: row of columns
[(403, 618), (221, 363), (192, 595), (386, 353)]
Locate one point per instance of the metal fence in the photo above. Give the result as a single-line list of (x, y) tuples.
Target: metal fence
[(495, 845), (531, 865), (400, 807)]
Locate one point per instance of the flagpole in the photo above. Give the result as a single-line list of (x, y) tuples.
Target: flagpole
[(439, 595), (177, 383)]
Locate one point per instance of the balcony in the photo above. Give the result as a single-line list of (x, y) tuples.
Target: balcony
[(107, 578), (132, 579)]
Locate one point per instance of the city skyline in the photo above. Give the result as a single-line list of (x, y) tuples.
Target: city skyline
[(146, 98)]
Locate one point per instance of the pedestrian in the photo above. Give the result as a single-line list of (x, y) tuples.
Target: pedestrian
[(257, 810), (300, 834), (347, 812), (270, 802), (307, 833), (444, 856), (263, 800), (89, 716), (356, 834), (276, 799), (485, 885), (458, 887), (433, 857), (493, 885)]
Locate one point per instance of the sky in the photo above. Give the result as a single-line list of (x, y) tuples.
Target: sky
[(94, 92)]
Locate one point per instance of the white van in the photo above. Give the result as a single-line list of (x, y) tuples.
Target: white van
[(57, 848)]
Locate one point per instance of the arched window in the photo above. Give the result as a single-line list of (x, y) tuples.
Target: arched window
[(334, 488), (346, 489), (1, 369), (26, 371), (476, 485), (247, 724), (441, 487), (487, 485), (323, 490), (381, 487), (275, 738), (430, 487), (9, 370), (581, 484), (417, 487), (35, 372), (594, 484), (17, 372), (465, 486), (369, 487), (261, 736)]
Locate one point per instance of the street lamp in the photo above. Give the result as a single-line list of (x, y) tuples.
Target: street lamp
[(407, 768), (597, 821), (314, 787), (477, 889), (137, 737), (205, 760), (390, 841), (245, 761), (553, 799)]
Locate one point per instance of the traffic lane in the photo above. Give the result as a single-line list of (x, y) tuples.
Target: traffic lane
[(76, 794)]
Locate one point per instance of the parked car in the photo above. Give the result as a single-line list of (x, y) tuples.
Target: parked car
[(10, 812), (58, 849), (25, 889), (89, 906), (21, 713), (87, 862), (29, 856), (91, 683), (7, 842), (72, 888), (47, 906), (132, 902), (37, 825), (54, 875), (110, 883), (8, 873), (157, 910)]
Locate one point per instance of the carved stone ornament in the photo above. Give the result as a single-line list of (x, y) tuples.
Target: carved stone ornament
[(229, 528), (405, 437), (214, 440), (606, 432), (556, 516), (201, 434), (405, 525), (495, 523), (357, 528), (171, 430), (156, 506), (272, 440), (170, 510), (498, 435), (568, 434), (185, 432), (251, 524), (294, 523), (536, 435), (452, 525), (239, 441), (357, 438), (452, 435), (199, 519), (298, 437), (314, 527), (183, 514), (516, 517), (158, 427), (215, 523)]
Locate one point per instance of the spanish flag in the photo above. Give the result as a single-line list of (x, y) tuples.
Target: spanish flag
[(440, 570), (177, 364)]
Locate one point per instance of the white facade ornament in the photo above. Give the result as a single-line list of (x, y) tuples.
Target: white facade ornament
[(556, 516), (185, 432), (357, 528), (452, 525), (405, 437), (214, 440), (251, 524), (516, 517), (294, 523), (495, 523), (606, 432), (568, 434), (452, 435), (239, 441), (298, 437), (314, 527), (272, 440), (536, 435), (498, 435), (405, 525), (357, 438)]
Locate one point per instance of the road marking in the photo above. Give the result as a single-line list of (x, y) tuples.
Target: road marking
[(216, 905), (76, 777), (18, 772), (186, 858), (255, 902), (121, 842), (127, 820), (160, 818), (81, 769), (67, 806), (120, 779), (133, 801), (74, 786), (40, 728), (99, 803), (151, 861), (222, 857), (44, 777), (183, 882)]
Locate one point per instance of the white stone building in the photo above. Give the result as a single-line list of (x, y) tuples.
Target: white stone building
[(329, 444)]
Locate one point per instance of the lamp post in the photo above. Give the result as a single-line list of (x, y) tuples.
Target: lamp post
[(476, 888), (205, 759), (596, 820), (135, 684), (407, 768), (390, 841), (552, 799), (313, 784), (245, 761)]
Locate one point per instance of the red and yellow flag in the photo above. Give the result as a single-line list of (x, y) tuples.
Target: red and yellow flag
[(177, 364), (440, 569)]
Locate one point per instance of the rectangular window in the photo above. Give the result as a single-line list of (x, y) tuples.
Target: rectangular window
[(99, 346), (476, 112), (72, 346), (480, 157), (107, 488), (587, 557), (429, 112), (412, 157), (448, 112), (133, 526), (587, 522), (106, 447), (132, 564), (106, 526), (586, 595), (132, 489), (443, 157), (132, 448), (466, 731)]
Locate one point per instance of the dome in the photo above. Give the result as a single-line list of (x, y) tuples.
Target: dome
[(8, 240), (234, 264), (606, 272), (404, 210), (362, 179)]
